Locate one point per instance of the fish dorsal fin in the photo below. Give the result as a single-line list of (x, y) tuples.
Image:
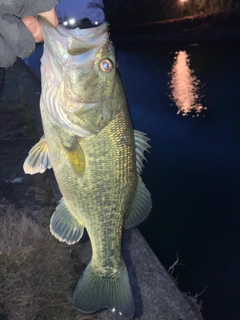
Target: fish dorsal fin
[(141, 206), (141, 145), (74, 153), (38, 158), (64, 226)]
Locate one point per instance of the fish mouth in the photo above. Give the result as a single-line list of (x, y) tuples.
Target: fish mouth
[(72, 41)]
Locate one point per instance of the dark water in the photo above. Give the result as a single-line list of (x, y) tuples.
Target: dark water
[(187, 98)]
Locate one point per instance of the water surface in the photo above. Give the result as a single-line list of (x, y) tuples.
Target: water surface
[(187, 98)]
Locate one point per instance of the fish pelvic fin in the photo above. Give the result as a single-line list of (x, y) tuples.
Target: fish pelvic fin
[(38, 158), (95, 291), (141, 145), (141, 206), (64, 226)]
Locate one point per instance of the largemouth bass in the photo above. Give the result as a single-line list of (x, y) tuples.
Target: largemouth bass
[(96, 156)]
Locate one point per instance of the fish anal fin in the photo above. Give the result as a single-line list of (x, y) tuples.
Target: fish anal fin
[(141, 145), (37, 160), (64, 226), (141, 206), (74, 154), (95, 291)]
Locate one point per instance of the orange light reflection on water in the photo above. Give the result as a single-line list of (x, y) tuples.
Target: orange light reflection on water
[(185, 87)]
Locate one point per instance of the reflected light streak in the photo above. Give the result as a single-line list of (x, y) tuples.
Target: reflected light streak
[(184, 85)]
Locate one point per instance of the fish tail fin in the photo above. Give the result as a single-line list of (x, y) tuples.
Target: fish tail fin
[(95, 291)]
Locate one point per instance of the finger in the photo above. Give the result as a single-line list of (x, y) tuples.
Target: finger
[(34, 27)]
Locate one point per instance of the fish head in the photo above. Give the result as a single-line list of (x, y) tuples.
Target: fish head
[(79, 70)]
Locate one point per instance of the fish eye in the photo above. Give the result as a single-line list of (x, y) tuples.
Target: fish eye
[(106, 65)]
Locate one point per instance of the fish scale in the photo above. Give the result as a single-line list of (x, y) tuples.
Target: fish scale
[(113, 175), (96, 156)]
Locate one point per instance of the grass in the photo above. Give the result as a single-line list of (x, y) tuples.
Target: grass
[(37, 274)]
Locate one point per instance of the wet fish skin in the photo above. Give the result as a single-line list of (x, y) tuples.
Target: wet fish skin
[(96, 156)]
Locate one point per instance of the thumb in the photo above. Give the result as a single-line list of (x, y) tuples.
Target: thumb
[(34, 27), (33, 24)]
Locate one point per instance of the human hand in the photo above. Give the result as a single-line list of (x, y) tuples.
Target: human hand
[(33, 24), (17, 37)]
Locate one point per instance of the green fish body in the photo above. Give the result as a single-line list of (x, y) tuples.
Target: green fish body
[(96, 156)]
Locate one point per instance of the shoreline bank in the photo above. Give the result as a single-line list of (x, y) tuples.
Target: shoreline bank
[(219, 27)]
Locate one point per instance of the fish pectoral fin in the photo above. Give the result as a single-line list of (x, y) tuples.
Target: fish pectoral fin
[(64, 226), (141, 145), (38, 158), (141, 206), (74, 154), (95, 291)]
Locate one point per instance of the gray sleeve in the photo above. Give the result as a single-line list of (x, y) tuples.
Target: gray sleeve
[(22, 8), (7, 56), (15, 39), (33, 7)]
